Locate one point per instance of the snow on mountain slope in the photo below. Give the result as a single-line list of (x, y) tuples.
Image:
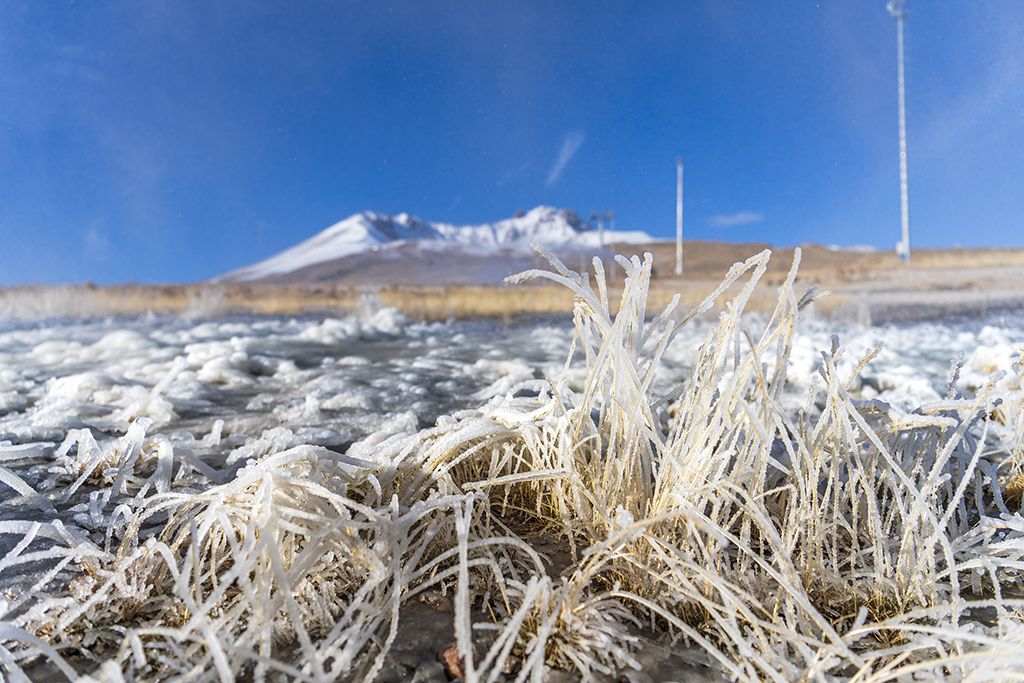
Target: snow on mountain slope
[(555, 228)]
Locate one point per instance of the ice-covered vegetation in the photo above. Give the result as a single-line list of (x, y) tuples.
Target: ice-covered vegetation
[(835, 539)]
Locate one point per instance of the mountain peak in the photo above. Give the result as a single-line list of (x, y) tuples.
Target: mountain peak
[(368, 230)]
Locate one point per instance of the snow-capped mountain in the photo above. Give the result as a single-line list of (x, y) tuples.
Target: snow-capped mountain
[(368, 231)]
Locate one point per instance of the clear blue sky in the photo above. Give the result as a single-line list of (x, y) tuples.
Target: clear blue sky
[(170, 141)]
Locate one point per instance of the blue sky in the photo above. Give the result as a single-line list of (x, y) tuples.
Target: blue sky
[(170, 141)]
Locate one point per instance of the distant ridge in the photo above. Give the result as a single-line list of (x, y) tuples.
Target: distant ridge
[(559, 229)]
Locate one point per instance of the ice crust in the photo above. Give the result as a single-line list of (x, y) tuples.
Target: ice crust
[(326, 381), (336, 380)]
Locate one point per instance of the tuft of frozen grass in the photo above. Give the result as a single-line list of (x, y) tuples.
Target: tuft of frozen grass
[(1014, 486), (848, 540)]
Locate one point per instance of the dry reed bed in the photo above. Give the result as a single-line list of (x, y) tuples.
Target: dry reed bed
[(853, 544), (421, 303), (819, 264), (703, 262)]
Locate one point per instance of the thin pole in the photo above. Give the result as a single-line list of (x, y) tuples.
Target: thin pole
[(679, 215), (610, 216), (895, 8)]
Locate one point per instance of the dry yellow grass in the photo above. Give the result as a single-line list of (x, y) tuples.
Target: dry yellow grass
[(704, 263), (818, 264), (417, 302)]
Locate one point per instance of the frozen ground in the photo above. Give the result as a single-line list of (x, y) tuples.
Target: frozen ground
[(226, 390), (327, 382), (331, 382)]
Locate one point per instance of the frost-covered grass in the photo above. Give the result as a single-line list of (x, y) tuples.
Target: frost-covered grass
[(847, 540)]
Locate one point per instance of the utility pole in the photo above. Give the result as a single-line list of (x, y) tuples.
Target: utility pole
[(679, 215), (895, 8)]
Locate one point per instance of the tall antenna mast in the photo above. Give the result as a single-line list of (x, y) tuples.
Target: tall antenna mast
[(679, 215), (895, 8)]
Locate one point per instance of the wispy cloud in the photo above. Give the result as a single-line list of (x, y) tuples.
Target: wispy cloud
[(734, 219), (572, 143)]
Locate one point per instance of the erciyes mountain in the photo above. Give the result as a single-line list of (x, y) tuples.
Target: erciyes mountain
[(374, 248)]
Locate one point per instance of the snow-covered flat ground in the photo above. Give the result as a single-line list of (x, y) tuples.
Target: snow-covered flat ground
[(284, 381), (238, 387)]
